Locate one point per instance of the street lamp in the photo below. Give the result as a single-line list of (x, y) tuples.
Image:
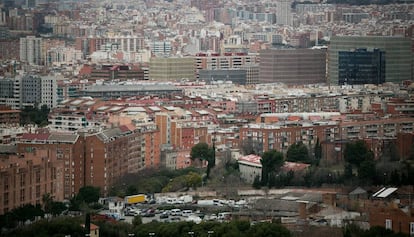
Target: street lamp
[(191, 233), (131, 234), (210, 232), (151, 234)]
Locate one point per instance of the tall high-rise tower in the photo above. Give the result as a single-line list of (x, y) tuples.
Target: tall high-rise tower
[(284, 12), (31, 50)]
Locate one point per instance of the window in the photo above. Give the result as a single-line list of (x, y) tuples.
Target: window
[(411, 228), (388, 224)]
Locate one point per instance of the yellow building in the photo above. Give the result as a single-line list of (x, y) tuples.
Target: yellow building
[(172, 69)]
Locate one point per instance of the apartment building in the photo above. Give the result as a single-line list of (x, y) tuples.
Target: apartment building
[(281, 135), (63, 147), (112, 153), (73, 115), (37, 90), (119, 72), (292, 66), (25, 177), (59, 56), (99, 158), (225, 61), (129, 43), (31, 50), (9, 116), (186, 134), (393, 218), (279, 132), (284, 13)]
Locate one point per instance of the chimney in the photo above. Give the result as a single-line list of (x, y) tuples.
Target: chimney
[(302, 210), (329, 199)]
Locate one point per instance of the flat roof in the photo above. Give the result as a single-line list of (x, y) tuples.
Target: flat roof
[(384, 192)]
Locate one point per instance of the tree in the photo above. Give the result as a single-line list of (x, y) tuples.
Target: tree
[(357, 152), (298, 152), (201, 151), (271, 161), (34, 115), (268, 229), (137, 221), (88, 194), (131, 190), (250, 146), (366, 170), (27, 212), (47, 201), (87, 223), (348, 173), (256, 182), (56, 208), (318, 152), (193, 180), (204, 152)]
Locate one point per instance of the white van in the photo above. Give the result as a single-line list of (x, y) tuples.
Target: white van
[(176, 212), (224, 216), (186, 212)]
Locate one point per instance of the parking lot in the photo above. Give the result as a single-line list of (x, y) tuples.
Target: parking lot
[(195, 211), (174, 215)]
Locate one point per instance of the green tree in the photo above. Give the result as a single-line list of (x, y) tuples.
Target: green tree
[(268, 229), (34, 115), (75, 203), (357, 152), (257, 182), (176, 184), (47, 201), (298, 152), (88, 194), (271, 161), (137, 221), (131, 190), (366, 170), (27, 212), (56, 208), (204, 152), (193, 180), (318, 152), (348, 173), (87, 223)]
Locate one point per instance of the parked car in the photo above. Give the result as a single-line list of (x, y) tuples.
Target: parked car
[(187, 213), (176, 212), (148, 214), (164, 215)]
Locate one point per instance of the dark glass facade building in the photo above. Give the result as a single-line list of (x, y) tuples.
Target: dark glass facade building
[(361, 66), (398, 55)]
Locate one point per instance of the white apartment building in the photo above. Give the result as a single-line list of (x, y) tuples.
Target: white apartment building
[(129, 43), (31, 50), (48, 91), (250, 167), (284, 12), (62, 56), (161, 47)]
